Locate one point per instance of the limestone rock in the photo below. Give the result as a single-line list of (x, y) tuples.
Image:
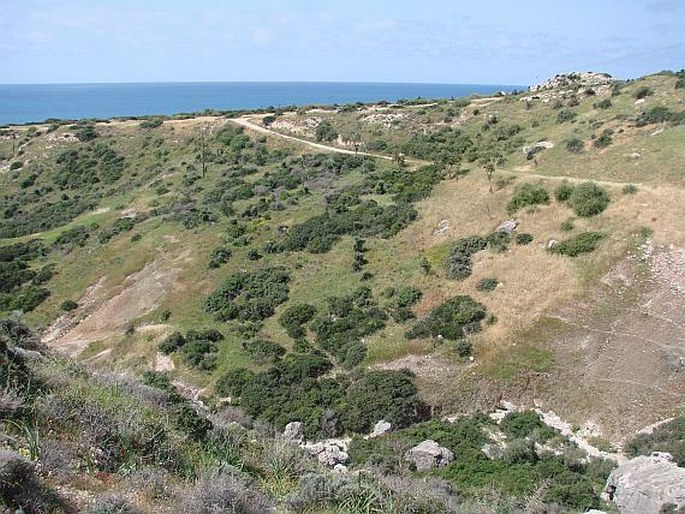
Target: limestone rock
[(644, 485), (294, 431), (381, 428), (508, 226), (330, 453), (429, 454)]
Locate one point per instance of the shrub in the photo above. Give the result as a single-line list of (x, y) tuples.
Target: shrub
[(220, 255), (604, 139), (565, 115), (523, 238), (567, 225), (517, 425), (660, 114), (112, 503), (463, 347), (222, 491), (669, 437), (263, 350), (458, 262), (643, 92), (588, 199), (575, 145), (294, 317), (563, 191), (68, 305), (388, 395), (585, 242), (602, 104), (172, 343), (15, 165), (325, 131), (526, 195), (487, 284), (249, 296), (629, 189), (232, 382), (452, 320), (151, 123)]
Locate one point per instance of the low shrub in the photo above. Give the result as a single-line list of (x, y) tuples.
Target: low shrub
[(604, 139), (232, 382), (575, 145), (262, 350), (585, 242), (517, 425), (68, 305), (660, 114), (220, 255), (567, 225), (526, 195), (629, 189), (523, 238), (565, 115), (458, 262), (487, 284), (452, 320), (294, 317), (588, 199), (669, 437), (563, 191), (643, 92), (602, 104)]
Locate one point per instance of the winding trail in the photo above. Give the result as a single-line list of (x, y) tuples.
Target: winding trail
[(251, 125)]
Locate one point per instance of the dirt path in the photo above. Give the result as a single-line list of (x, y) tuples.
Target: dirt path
[(244, 122)]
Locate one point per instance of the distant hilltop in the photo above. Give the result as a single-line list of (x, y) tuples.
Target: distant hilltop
[(564, 83), (574, 80)]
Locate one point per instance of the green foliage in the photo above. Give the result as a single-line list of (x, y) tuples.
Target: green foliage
[(565, 115), (669, 437), (72, 237), (567, 225), (604, 139), (523, 238), (458, 262), (294, 317), (526, 195), (563, 191), (120, 225), (388, 395), (602, 104), (629, 189), (68, 305), (262, 350), (643, 92), (86, 133), (487, 284), (402, 301), (574, 145), (89, 165), (198, 348), (16, 165), (588, 199), (451, 320), (325, 131), (151, 123), (220, 255), (172, 343), (249, 296), (660, 114), (404, 186), (233, 381), (349, 319), (585, 242), (517, 425)]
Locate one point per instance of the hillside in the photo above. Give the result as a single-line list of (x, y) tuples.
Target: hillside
[(263, 268)]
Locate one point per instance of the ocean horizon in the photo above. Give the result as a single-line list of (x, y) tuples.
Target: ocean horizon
[(33, 103)]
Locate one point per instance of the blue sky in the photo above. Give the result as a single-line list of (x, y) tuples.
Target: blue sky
[(487, 41)]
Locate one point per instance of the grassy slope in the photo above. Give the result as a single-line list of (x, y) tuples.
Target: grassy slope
[(507, 351)]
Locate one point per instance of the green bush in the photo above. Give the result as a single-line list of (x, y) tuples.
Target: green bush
[(68, 305), (585, 242), (172, 343), (588, 199), (517, 425), (487, 284), (249, 296), (388, 395), (602, 104), (458, 262), (262, 350), (660, 114), (151, 123), (565, 115), (526, 195), (15, 165), (294, 317), (604, 139), (629, 189), (669, 437), (220, 255), (523, 238), (86, 133), (575, 145), (643, 92), (325, 131), (451, 320), (567, 225), (232, 382), (563, 191)]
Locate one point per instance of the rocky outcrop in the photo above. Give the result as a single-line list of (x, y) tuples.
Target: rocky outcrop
[(381, 428), (578, 79), (645, 485), (294, 431), (508, 227), (428, 455), (331, 453)]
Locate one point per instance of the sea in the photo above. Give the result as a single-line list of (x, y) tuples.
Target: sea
[(28, 103)]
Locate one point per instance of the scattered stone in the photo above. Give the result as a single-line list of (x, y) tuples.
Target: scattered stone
[(442, 228), (552, 243), (645, 485), (381, 428), (329, 453), (294, 431), (428, 455), (508, 226)]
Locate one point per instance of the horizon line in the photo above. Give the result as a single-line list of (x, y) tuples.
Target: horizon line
[(258, 82)]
